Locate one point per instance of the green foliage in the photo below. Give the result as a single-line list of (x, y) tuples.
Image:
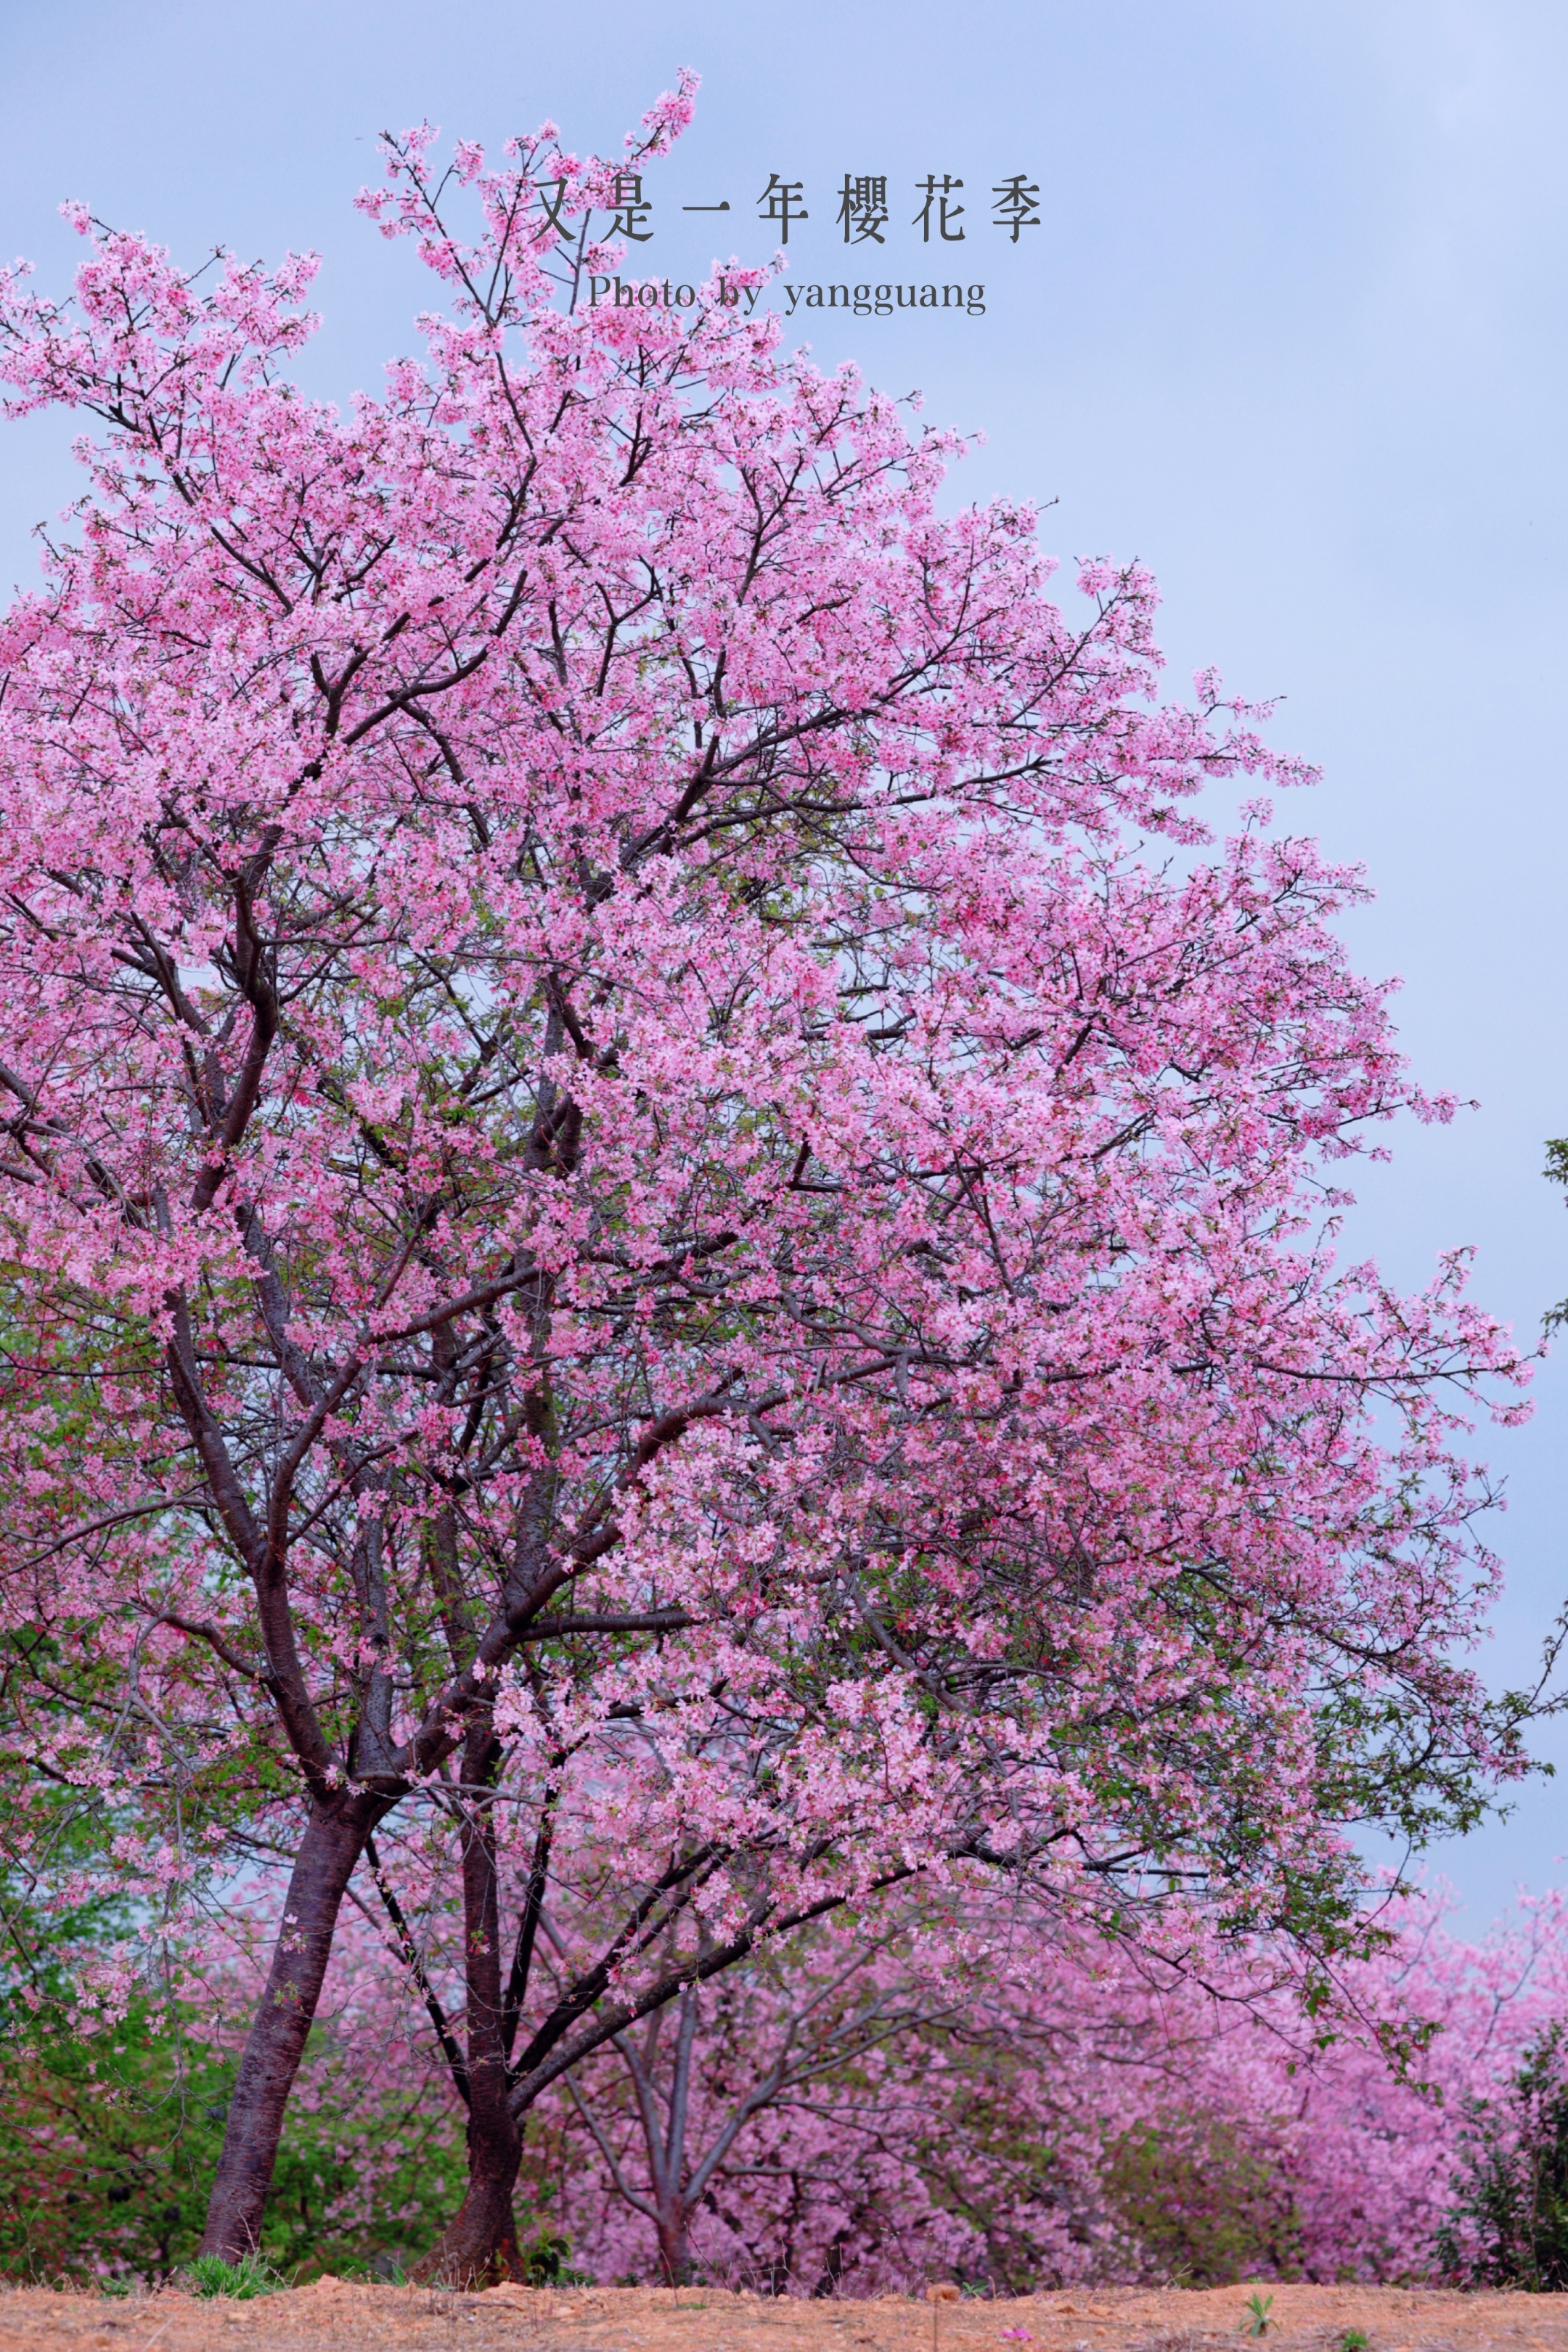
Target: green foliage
[(1510, 2223), (106, 2147), (1354, 2339), (547, 2258), (1259, 2307), (1206, 2204), (109, 2142)]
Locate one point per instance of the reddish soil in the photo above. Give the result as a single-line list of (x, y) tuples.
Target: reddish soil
[(354, 2318)]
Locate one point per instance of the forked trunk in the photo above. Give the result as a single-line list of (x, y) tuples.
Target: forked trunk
[(334, 1840)]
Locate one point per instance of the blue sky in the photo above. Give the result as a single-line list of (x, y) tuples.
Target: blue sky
[(1293, 331)]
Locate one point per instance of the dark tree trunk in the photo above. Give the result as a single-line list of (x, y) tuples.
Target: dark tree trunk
[(673, 2260), (478, 2245), (335, 1837)]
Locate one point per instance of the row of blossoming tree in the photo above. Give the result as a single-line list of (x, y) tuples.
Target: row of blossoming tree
[(668, 1224), (851, 2111)]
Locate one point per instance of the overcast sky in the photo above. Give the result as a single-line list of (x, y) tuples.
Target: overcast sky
[(1291, 330)]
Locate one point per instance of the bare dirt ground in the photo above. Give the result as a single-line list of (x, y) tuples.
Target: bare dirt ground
[(342, 2317)]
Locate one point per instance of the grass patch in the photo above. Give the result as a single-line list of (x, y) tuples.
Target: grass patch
[(209, 2274)]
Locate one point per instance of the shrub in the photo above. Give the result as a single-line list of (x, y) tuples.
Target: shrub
[(1510, 2223), (1204, 2202)]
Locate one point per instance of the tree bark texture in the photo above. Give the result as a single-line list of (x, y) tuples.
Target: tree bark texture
[(333, 1839)]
